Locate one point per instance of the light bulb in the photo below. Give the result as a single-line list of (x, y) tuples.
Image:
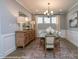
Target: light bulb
[(26, 19), (44, 12), (51, 12)]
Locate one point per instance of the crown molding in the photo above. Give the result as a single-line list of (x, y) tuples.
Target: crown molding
[(18, 1), (76, 4)]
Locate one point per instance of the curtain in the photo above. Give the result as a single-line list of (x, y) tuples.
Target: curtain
[(58, 23)]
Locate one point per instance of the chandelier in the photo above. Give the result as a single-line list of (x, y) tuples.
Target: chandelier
[(48, 12)]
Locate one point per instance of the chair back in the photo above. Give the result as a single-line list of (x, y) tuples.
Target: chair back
[(50, 40)]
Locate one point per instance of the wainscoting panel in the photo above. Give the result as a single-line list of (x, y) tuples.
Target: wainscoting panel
[(72, 36), (8, 43), (63, 33)]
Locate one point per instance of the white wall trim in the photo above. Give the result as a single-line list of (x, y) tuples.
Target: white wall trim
[(72, 36), (10, 51), (8, 41), (19, 1), (63, 33), (73, 6), (8, 35)]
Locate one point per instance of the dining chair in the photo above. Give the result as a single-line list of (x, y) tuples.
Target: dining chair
[(49, 44)]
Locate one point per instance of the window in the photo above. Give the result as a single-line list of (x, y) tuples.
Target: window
[(40, 20), (46, 20), (53, 20)]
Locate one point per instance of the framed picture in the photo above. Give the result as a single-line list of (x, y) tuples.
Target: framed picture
[(73, 22)]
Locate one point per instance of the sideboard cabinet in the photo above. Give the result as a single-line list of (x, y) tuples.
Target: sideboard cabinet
[(24, 37)]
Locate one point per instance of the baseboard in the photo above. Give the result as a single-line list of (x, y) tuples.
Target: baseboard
[(9, 51), (72, 36), (71, 42), (8, 45)]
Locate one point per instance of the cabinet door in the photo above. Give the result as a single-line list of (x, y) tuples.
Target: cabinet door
[(20, 41)]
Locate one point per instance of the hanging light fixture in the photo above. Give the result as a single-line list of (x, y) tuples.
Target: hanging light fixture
[(48, 12)]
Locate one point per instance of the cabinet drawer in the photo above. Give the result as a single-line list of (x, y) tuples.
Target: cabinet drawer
[(20, 39), (20, 35), (24, 37)]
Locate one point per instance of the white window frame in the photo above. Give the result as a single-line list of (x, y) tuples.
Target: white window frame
[(54, 20), (39, 21), (47, 19)]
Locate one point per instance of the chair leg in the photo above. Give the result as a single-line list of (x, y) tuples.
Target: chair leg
[(45, 53), (54, 53), (40, 44)]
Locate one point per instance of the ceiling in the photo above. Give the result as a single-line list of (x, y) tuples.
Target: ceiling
[(39, 6)]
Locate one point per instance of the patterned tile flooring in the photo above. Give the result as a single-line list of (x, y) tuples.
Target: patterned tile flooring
[(35, 51)]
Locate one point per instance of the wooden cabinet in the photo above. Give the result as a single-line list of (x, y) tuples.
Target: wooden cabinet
[(24, 37)]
